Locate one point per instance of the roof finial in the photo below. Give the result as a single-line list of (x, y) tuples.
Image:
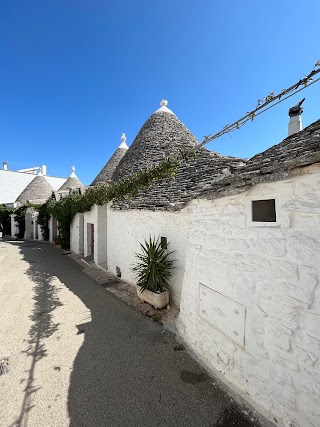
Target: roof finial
[(73, 169), (123, 141), (73, 175), (164, 103)]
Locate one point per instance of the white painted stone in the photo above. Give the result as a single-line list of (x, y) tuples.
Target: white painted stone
[(127, 229), (77, 234), (98, 217), (274, 272)]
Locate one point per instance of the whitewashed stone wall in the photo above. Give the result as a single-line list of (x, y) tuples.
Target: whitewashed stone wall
[(77, 234), (98, 217), (53, 229), (126, 229), (29, 224), (274, 272), (90, 218), (101, 256), (39, 232)]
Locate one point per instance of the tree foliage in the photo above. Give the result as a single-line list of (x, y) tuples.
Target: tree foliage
[(5, 219), (20, 217)]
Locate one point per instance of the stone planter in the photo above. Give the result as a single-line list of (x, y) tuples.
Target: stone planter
[(156, 300)]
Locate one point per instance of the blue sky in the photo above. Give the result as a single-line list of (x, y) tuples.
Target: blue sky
[(75, 74)]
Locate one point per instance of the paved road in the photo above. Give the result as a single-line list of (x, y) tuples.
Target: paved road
[(80, 357)]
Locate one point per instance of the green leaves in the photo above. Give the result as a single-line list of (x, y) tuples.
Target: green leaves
[(43, 219), (153, 268), (66, 208)]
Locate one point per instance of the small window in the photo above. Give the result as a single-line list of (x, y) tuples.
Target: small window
[(264, 210), (164, 243)]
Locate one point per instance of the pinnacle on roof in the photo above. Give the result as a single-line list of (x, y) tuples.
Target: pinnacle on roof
[(163, 135), (123, 141), (106, 173), (164, 108), (73, 172), (72, 182), (38, 189)]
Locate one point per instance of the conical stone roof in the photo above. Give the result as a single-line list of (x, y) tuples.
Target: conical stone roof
[(163, 135), (38, 189), (106, 173), (72, 182)]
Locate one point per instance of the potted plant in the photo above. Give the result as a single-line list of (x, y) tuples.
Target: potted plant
[(153, 269)]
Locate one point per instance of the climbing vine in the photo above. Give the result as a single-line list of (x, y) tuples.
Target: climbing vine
[(20, 217), (43, 219), (65, 209)]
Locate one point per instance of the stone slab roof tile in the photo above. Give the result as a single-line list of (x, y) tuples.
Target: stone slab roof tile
[(209, 175), (38, 189), (105, 175), (71, 182)]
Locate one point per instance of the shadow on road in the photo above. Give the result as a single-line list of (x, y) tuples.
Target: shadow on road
[(46, 300), (127, 371)]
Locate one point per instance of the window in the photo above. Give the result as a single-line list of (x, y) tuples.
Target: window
[(264, 210), (164, 243)]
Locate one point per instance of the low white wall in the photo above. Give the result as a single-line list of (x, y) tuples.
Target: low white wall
[(101, 237), (77, 234), (98, 217), (39, 232), (90, 218), (74, 234), (29, 224), (12, 218), (273, 271), (53, 229), (126, 229)]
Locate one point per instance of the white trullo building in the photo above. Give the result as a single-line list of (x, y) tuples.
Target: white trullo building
[(247, 240), (39, 191)]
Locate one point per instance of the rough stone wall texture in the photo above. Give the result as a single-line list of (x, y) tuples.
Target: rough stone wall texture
[(210, 175), (162, 136), (273, 270), (105, 175), (38, 189), (126, 229), (71, 182)]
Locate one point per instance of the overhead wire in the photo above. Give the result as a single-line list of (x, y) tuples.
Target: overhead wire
[(270, 99)]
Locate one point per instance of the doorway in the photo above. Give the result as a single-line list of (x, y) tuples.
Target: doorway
[(90, 239)]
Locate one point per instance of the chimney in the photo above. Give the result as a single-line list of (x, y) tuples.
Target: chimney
[(5, 166), (44, 169), (295, 122)]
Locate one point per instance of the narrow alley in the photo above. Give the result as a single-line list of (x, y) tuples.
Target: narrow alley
[(75, 355)]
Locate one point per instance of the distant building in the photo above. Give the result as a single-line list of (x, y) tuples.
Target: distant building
[(16, 188)]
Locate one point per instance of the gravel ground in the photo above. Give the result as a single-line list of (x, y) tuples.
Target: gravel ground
[(78, 356)]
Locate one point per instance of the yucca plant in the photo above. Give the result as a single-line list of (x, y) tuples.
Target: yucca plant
[(153, 268)]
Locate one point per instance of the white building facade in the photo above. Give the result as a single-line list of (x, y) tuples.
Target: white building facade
[(246, 236)]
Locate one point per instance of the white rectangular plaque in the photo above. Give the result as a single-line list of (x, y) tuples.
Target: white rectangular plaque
[(223, 313)]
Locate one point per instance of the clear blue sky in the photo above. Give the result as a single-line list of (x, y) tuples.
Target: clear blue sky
[(75, 74)]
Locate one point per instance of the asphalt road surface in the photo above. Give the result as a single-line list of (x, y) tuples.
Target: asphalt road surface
[(72, 354)]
